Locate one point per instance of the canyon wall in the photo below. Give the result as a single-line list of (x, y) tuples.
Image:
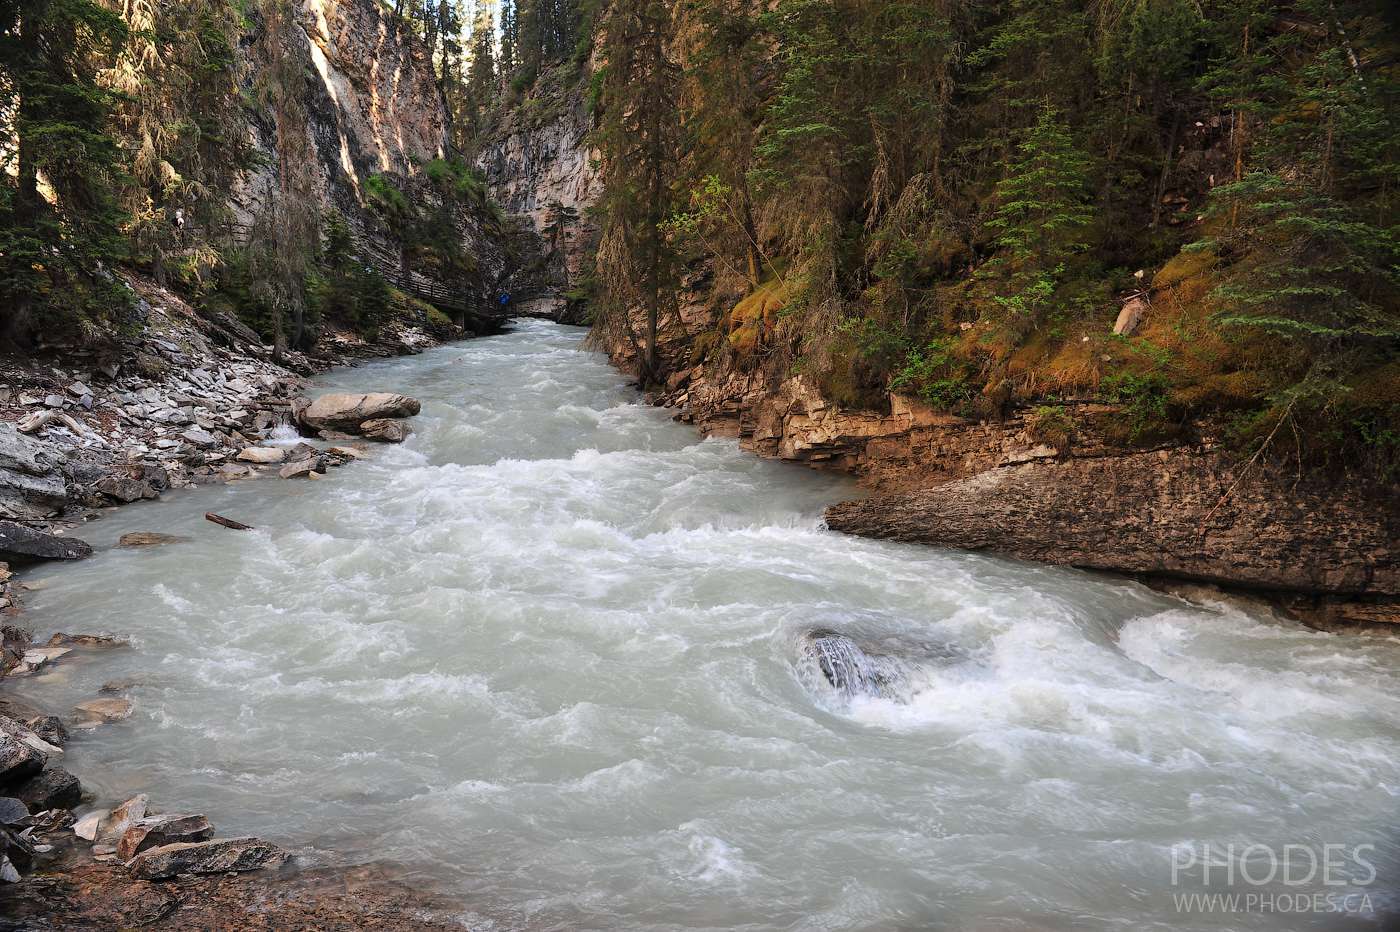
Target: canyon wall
[(372, 110), (540, 167)]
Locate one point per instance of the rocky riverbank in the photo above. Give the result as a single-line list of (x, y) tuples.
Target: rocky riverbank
[(1075, 490), (188, 400)]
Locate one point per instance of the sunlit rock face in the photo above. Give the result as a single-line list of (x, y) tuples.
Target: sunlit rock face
[(540, 168), (372, 108)]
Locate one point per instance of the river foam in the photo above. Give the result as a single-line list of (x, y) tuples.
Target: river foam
[(547, 655)]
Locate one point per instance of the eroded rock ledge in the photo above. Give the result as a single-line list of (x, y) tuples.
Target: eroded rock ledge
[(1329, 551), (1324, 549)]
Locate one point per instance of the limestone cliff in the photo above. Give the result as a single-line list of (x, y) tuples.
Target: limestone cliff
[(540, 168), (372, 110)]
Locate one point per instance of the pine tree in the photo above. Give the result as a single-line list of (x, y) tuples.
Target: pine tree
[(637, 131), (720, 131), (1309, 231), (510, 39), (1041, 219), (56, 239), (181, 118), (481, 72)]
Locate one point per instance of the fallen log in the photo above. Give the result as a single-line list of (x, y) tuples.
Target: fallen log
[(227, 522)]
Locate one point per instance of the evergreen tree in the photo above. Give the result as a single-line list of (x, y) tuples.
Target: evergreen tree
[(1040, 221), (285, 241), (510, 39), (181, 120), (59, 216), (724, 50), (1309, 230), (481, 72), (637, 130)]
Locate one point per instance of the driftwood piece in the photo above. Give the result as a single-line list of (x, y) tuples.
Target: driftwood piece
[(35, 421), (227, 522)]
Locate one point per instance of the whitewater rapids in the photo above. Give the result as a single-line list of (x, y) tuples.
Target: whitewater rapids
[(547, 656)]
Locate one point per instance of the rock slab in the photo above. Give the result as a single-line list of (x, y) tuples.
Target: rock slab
[(19, 544), (345, 411), (159, 831), (206, 857), (1170, 513)]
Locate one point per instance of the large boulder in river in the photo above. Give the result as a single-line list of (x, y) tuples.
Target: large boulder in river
[(346, 412), (20, 544)]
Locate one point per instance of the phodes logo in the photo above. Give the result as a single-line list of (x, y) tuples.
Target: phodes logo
[(1327, 878)]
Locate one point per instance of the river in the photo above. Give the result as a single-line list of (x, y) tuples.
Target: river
[(547, 656)]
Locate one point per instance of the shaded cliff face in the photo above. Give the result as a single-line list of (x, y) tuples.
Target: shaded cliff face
[(373, 112), (540, 168)]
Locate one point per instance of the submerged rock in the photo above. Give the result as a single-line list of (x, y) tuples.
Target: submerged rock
[(96, 712), (84, 640), (206, 857), (149, 539), (845, 666)]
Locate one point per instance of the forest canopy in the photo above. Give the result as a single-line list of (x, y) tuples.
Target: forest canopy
[(957, 200)]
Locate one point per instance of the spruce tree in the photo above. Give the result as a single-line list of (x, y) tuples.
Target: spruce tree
[(637, 129), (481, 72), (1041, 219), (56, 240), (1309, 231), (510, 39)]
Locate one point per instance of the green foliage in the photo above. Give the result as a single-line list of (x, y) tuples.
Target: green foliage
[(1018, 167), (58, 241), (346, 288), (1040, 222), (1144, 400), (1052, 424), (383, 196), (1308, 228), (932, 372), (1042, 208), (638, 96), (457, 179)]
